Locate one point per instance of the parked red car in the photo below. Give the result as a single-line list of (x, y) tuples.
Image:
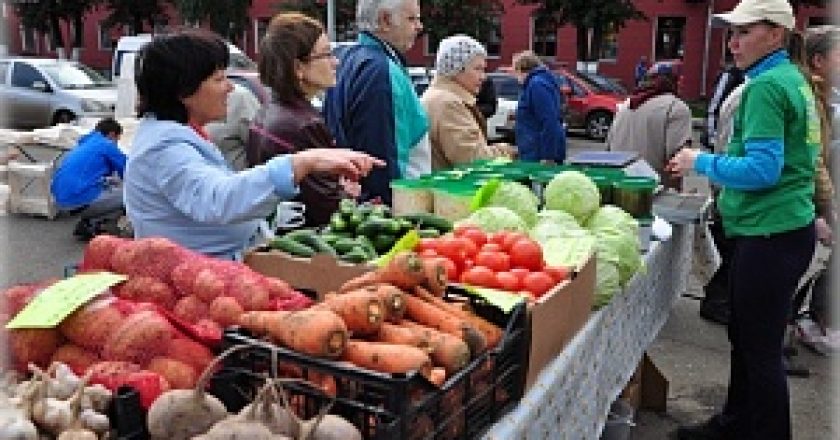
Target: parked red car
[(591, 99)]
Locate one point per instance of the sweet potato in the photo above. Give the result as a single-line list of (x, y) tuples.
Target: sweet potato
[(111, 374), (75, 357), (361, 310), (191, 309), (387, 358), (179, 375), (33, 345), (225, 310), (141, 288), (320, 333), (140, 337), (249, 290), (90, 326), (190, 352)]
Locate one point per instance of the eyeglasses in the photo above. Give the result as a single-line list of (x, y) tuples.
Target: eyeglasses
[(318, 56)]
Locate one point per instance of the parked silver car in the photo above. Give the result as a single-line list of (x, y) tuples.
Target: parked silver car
[(39, 92)]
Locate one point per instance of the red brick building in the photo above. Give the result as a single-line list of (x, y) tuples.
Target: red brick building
[(674, 28)]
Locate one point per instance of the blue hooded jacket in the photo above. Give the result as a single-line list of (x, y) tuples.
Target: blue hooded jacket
[(374, 108), (81, 177), (539, 131)]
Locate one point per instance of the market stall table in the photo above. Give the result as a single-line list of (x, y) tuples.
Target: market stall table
[(572, 395)]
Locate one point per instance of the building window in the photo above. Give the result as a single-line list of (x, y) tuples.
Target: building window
[(670, 37), (260, 27), (544, 42), (608, 47), (105, 40), (28, 40)]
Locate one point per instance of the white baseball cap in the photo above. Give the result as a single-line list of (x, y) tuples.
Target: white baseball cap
[(752, 11)]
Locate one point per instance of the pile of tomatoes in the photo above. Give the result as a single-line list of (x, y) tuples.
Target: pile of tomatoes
[(508, 261)]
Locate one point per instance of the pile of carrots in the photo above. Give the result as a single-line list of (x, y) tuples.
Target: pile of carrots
[(392, 320)]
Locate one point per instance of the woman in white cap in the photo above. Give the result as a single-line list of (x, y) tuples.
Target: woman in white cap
[(767, 207), (457, 129)]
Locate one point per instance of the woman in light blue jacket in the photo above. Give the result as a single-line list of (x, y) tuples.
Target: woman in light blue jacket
[(177, 183), (539, 131)]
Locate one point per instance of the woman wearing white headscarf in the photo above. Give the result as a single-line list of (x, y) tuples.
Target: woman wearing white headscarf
[(457, 129)]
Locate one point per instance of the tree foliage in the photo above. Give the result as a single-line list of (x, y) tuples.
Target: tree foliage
[(595, 16), (229, 18), (136, 13), (46, 15)]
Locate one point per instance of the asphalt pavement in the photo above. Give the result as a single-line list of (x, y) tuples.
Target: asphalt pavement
[(692, 353)]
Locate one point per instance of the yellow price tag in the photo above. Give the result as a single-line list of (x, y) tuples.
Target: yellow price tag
[(406, 243), (58, 301)]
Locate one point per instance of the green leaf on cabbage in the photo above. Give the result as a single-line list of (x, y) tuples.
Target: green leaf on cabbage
[(609, 216), (495, 219), (606, 282), (518, 198), (570, 250), (573, 192)]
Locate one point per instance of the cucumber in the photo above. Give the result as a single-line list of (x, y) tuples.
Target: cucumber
[(347, 206), (337, 223), (355, 220), (356, 255), (292, 247), (405, 225), (367, 245), (380, 211), (317, 243), (426, 220), (330, 237), (428, 233), (375, 226), (383, 243)]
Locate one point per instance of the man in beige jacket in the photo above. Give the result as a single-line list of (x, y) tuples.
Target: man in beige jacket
[(457, 129)]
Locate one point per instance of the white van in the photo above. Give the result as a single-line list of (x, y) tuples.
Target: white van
[(133, 43)]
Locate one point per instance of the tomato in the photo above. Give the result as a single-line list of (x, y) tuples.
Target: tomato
[(507, 281), (559, 273), (468, 247), (450, 247), (511, 238), (538, 283), (491, 247), (479, 276), (476, 235), (526, 253), (451, 268), (497, 261), (520, 272), (426, 243), (497, 237), (465, 264), (428, 253), (462, 230)]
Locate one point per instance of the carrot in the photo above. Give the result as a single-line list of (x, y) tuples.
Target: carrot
[(325, 382), (447, 351), (443, 321), (435, 276), (319, 333), (491, 332), (363, 280), (405, 271), (387, 358), (361, 310), (404, 335), (437, 376), (392, 299)]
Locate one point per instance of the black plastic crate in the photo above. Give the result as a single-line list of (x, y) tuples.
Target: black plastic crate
[(394, 406)]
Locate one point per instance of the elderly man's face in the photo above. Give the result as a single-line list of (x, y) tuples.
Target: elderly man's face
[(401, 27)]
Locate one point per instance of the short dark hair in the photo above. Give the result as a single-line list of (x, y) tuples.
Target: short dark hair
[(172, 67), (108, 126), (289, 37)]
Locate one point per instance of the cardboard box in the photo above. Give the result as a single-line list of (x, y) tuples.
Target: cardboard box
[(557, 316), (322, 273), (647, 388)]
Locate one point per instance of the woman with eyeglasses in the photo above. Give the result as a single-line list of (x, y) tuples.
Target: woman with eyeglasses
[(296, 63), (767, 207), (177, 183)]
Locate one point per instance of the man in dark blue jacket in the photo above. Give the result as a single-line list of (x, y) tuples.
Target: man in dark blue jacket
[(540, 135), (84, 180), (374, 108)]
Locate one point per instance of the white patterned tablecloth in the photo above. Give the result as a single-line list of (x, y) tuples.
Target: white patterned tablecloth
[(573, 393)]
